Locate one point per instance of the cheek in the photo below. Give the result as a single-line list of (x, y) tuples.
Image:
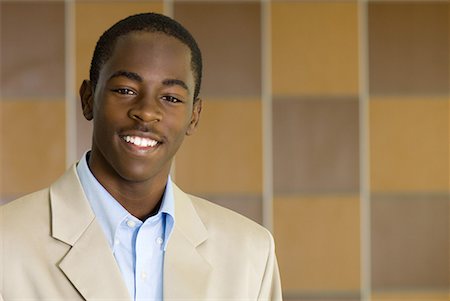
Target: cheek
[(108, 115), (178, 122)]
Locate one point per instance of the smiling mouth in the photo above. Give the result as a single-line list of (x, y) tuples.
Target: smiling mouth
[(140, 141)]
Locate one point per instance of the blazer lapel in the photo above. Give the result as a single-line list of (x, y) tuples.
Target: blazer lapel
[(89, 265), (186, 271)]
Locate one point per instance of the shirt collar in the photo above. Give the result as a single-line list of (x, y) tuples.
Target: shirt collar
[(111, 213)]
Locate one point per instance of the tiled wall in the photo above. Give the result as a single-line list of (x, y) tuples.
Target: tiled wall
[(327, 121)]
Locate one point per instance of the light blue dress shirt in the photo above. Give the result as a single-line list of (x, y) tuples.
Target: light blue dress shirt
[(137, 246)]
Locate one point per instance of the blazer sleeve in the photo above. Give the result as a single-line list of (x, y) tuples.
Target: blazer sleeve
[(271, 284)]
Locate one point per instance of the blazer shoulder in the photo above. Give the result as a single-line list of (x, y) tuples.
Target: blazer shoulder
[(27, 204), (228, 223)]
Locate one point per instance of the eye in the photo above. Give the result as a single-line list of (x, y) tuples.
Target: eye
[(170, 98), (125, 91)]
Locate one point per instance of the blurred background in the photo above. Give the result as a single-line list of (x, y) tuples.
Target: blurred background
[(325, 121)]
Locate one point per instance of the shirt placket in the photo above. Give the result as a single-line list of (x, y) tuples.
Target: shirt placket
[(148, 264)]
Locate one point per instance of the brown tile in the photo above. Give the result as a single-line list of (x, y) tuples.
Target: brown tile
[(318, 243), (32, 49), (225, 155), (314, 47), (409, 144), (248, 206), (411, 296), (408, 47), (410, 242), (315, 146), (229, 37), (32, 152)]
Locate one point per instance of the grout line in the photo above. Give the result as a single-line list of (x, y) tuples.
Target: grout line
[(1, 127), (168, 8), (266, 67), (70, 94), (168, 11), (365, 230)]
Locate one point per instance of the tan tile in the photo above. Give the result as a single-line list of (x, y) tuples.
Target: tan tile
[(315, 48), (318, 297), (225, 155), (318, 243), (229, 35), (409, 144), (32, 145), (316, 146), (408, 47), (84, 132), (410, 242), (32, 49)]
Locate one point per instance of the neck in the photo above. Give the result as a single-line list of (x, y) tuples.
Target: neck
[(141, 199)]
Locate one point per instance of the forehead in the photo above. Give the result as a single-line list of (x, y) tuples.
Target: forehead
[(149, 51)]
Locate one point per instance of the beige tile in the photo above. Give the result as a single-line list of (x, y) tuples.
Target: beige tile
[(315, 48), (32, 49), (409, 144), (410, 242), (225, 155), (32, 143), (229, 35), (318, 243), (316, 146), (408, 47)]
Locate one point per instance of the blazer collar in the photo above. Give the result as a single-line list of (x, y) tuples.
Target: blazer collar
[(186, 271), (89, 264)]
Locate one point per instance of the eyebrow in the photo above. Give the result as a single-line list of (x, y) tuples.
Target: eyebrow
[(128, 74), (175, 82)]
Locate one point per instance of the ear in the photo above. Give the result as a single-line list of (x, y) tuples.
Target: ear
[(87, 99), (195, 116)]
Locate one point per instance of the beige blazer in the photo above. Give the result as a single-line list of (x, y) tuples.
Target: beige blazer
[(52, 248)]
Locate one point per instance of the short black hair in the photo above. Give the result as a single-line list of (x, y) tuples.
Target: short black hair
[(150, 22)]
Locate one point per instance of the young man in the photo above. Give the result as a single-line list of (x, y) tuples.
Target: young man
[(114, 226)]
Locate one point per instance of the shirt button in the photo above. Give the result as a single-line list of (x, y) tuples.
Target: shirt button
[(131, 223), (143, 275), (159, 241), (116, 242)]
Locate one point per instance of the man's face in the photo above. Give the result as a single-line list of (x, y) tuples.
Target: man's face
[(142, 108)]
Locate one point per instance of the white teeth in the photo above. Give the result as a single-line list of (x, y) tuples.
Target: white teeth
[(140, 141), (137, 141)]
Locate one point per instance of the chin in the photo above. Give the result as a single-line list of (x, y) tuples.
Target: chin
[(139, 174)]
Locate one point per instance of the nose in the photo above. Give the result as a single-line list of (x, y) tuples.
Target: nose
[(146, 109)]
